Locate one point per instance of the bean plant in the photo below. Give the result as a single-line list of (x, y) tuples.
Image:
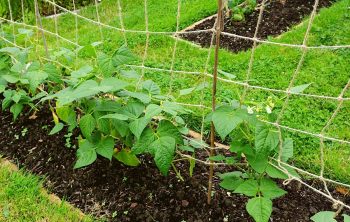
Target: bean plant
[(121, 115), (239, 9)]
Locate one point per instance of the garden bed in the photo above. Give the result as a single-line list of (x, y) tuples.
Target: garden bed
[(135, 194), (277, 19)]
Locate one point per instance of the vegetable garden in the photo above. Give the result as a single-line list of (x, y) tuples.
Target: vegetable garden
[(132, 113)]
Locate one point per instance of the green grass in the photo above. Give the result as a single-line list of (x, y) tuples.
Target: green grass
[(327, 70), (22, 199)]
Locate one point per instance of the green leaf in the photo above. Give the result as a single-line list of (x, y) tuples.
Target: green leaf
[(227, 75), (151, 87), (346, 218), (112, 84), (299, 89), (16, 109), (122, 56), (87, 125), (269, 189), (115, 116), (324, 216), (152, 110), (57, 128), (105, 64), (138, 125), (260, 209), (105, 147), (226, 119), (82, 72), (167, 128), (258, 162), (216, 158), (121, 127), (86, 154), (249, 188), (2, 88), (143, 97), (164, 153), (14, 51), (142, 145), (134, 109), (231, 183), (127, 158), (66, 114), (130, 74), (234, 174), (275, 173), (287, 151), (265, 139)]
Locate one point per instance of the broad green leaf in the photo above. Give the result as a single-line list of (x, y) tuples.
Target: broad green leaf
[(57, 128), (112, 84), (234, 174), (53, 74), (14, 51), (82, 72), (324, 216), (105, 64), (265, 139), (219, 157), (127, 158), (142, 145), (130, 74), (134, 109), (231, 183), (16, 109), (10, 78), (187, 91), (2, 88), (227, 75), (287, 151), (121, 127), (87, 125), (260, 209), (226, 119), (299, 89), (269, 189), (115, 116), (86, 154), (173, 108), (152, 110), (122, 56), (346, 218), (143, 97), (249, 188), (167, 128), (151, 87), (105, 147), (258, 162), (66, 114), (108, 106), (164, 153), (138, 125), (275, 173)]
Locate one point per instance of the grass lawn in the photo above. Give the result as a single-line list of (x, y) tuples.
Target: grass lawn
[(23, 199), (327, 70)]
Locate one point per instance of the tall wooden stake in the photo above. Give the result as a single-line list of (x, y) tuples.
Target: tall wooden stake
[(218, 29)]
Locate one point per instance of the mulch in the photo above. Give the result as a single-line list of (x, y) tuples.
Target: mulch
[(277, 19), (121, 193)]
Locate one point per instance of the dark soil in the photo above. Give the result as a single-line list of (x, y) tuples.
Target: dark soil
[(135, 194), (277, 18)]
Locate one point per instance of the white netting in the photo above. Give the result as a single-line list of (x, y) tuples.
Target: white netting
[(104, 29)]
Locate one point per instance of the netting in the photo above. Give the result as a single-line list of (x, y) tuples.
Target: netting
[(204, 76)]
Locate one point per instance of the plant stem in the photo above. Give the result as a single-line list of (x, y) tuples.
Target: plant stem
[(219, 28)]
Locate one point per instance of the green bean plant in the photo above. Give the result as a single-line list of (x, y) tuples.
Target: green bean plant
[(239, 9), (328, 216)]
